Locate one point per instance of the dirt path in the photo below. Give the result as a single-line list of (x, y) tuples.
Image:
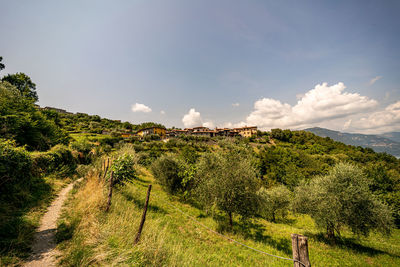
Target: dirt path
[(43, 248)]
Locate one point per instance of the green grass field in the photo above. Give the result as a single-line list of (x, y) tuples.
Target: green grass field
[(87, 136), (89, 236)]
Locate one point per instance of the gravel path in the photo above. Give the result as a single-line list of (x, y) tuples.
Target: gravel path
[(43, 248)]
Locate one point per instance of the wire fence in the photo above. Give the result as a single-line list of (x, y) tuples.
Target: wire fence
[(224, 236)]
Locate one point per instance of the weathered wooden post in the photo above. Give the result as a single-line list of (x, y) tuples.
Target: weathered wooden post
[(110, 192), (300, 251), (143, 216)]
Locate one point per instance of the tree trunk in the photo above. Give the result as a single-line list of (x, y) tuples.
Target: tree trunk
[(330, 232), (230, 219)]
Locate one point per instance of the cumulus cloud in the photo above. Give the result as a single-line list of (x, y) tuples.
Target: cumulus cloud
[(209, 124), (235, 104), (374, 80), (384, 120), (140, 108), (192, 119), (319, 104), (162, 112)]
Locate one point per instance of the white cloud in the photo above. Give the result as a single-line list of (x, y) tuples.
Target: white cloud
[(209, 124), (162, 112), (140, 108), (347, 124), (235, 104), (323, 103), (192, 119), (374, 80), (384, 120)]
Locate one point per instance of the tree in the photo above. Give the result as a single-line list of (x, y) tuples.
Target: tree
[(21, 121), (166, 170), (24, 85), (2, 66), (342, 198), (227, 181), (274, 202)]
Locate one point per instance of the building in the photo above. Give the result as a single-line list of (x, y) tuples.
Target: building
[(152, 130), (204, 131), (56, 109), (247, 131), (225, 132)]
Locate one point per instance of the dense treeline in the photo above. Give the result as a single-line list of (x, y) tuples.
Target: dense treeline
[(81, 122)]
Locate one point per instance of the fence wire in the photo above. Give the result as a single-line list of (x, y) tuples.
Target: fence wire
[(223, 236)]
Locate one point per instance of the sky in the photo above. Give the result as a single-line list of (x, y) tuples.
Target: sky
[(226, 63)]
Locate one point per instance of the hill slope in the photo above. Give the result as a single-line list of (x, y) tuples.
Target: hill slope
[(170, 238), (376, 142)]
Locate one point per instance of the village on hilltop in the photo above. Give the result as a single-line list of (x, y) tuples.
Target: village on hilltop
[(246, 131)]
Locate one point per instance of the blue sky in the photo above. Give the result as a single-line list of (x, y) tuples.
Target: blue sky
[(218, 63)]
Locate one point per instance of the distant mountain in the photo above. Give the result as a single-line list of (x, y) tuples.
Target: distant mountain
[(395, 136), (379, 143)]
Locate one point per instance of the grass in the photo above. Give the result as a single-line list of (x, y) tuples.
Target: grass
[(20, 216), (89, 236), (88, 136)]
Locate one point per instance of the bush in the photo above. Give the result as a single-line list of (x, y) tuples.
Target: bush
[(58, 160), (15, 165), (274, 202), (166, 170), (84, 147), (342, 198), (123, 168)]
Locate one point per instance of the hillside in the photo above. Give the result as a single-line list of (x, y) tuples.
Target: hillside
[(171, 238), (395, 136), (380, 143)]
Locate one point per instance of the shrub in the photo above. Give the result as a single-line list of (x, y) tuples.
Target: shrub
[(59, 160), (274, 202), (84, 147), (342, 198), (123, 168), (166, 170), (15, 165)]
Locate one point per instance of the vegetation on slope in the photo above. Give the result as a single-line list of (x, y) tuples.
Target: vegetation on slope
[(90, 236)]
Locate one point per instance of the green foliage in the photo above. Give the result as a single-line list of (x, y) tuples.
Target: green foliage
[(227, 181), (166, 170), (342, 198), (2, 66), (274, 202), (21, 121), (84, 147), (123, 168), (15, 167), (24, 85), (58, 160)]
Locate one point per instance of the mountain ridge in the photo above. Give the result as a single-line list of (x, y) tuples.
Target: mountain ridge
[(386, 142)]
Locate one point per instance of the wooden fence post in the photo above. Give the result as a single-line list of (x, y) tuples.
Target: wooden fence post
[(300, 250), (143, 216), (110, 192)]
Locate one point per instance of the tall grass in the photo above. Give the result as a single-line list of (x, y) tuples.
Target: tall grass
[(93, 237)]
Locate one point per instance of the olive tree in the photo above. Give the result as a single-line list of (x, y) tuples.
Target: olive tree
[(227, 181), (342, 198), (274, 202)]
